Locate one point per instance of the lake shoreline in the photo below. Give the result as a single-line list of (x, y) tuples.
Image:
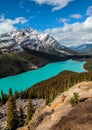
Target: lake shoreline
[(84, 67), (23, 81), (34, 67), (37, 61)]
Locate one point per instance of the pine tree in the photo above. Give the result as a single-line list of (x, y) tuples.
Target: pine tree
[(21, 116), (12, 117), (30, 110), (16, 94), (4, 98), (10, 92)]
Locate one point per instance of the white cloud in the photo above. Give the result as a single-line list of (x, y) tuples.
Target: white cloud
[(73, 34), (7, 25), (58, 4), (63, 20), (76, 16), (89, 11)]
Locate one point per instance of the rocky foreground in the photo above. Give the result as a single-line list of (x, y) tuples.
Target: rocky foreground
[(38, 103), (61, 115)]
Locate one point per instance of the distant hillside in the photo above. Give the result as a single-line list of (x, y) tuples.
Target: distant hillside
[(48, 89), (84, 48), (18, 62)]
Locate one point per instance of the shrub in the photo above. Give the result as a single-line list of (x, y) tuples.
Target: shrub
[(75, 99), (63, 97)]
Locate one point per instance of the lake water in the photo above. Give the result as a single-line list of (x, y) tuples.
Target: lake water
[(22, 81)]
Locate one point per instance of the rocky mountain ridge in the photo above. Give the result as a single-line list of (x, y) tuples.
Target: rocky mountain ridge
[(84, 48), (33, 40)]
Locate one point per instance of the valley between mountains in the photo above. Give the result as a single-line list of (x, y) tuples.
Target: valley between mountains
[(28, 49)]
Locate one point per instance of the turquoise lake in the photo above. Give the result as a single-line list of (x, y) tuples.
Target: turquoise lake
[(22, 81)]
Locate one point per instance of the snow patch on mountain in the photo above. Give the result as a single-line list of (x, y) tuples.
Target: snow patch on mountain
[(31, 39)]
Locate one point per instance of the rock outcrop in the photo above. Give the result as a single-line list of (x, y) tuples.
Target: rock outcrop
[(60, 115)]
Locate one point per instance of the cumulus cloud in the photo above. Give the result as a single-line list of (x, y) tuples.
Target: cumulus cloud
[(89, 11), (76, 16), (7, 25), (58, 4), (73, 34)]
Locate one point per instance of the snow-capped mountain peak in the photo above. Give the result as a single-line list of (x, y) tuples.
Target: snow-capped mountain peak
[(32, 40)]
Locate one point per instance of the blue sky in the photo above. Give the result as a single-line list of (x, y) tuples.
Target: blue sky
[(69, 21)]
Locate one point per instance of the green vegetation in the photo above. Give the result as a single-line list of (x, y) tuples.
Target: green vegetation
[(50, 88), (88, 65), (16, 118), (12, 64), (63, 97), (10, 92), (12, 117), (3, 98), (18, 62), (75, 99), (21, 117), (30, 111)]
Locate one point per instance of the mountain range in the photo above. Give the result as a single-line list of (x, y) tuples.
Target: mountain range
[(30, 39), (84, 48)]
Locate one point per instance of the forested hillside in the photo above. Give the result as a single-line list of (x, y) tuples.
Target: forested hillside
[(50, 88)]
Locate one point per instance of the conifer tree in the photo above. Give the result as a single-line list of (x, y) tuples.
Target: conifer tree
[(16, 94), (10, 92), (12, 117), (21, 116), (30, 110), (4, 98)]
